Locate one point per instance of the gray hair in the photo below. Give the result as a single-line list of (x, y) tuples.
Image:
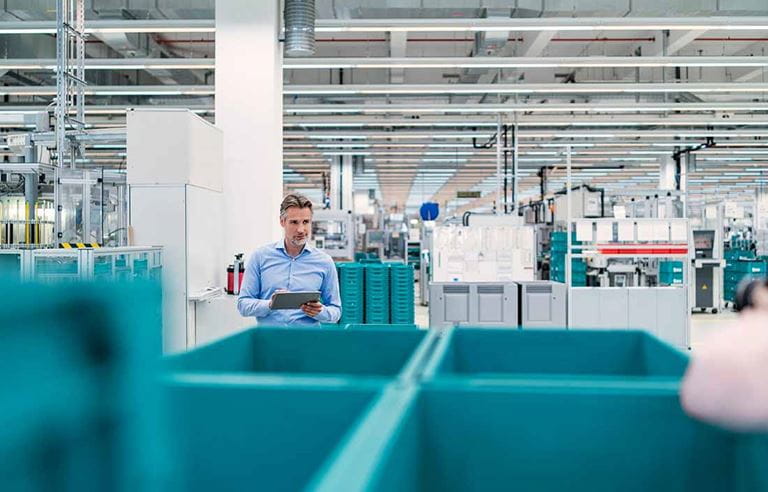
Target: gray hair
[(294, 200)]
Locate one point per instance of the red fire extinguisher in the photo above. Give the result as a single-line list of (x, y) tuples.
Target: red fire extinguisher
[(233, 287)]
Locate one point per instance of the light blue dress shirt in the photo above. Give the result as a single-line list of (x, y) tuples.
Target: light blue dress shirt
[(270, 269)]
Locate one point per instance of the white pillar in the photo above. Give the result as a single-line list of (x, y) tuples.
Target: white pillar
[(667, 173), (335, 195), (347, 182), (249, 109), (342, 174)]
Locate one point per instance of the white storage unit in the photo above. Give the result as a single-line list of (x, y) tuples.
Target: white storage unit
[(174, 177), (658, 310), (173, 146), (542, 304), (473, 304)]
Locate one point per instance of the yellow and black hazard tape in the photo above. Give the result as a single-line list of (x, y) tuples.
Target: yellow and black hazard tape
[(79, 245)]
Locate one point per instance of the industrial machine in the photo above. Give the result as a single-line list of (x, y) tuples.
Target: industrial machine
[(708, 270), (374, 242), (334, 232), (585, 202), (638, 276), (425, 263), (499, 253)]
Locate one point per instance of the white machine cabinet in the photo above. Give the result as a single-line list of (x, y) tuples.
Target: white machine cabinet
[(175, 187), (473, 304)]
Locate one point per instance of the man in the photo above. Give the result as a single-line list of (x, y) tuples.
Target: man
[(291, 265)]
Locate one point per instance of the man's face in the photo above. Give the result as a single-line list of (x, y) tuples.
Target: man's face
[(297, 224)]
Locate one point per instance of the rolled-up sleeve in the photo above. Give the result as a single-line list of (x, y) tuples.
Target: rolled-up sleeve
[(248, 303), (330, 297)]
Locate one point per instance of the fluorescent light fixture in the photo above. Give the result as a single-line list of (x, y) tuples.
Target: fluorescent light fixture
[(447, 153), (447, 146), (329, 154), (343, 145), (524, 62), (114, 26), (114, 64), (519, 108), (138, 90), (580, 88)]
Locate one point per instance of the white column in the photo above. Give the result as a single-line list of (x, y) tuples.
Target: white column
[(335, 182), (666, 173), (347, 182), (249, 109), (342, 174)]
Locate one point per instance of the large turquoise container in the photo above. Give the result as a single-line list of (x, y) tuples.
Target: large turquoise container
[(79, 396), (376, 352), (230, 435), (461, 437), (559, 354), (381, 327)]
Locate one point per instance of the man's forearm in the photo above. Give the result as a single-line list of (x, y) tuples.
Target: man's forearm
[(329, 314), (250, 306)]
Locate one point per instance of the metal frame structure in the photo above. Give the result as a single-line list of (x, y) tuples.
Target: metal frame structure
[(86, 260), (70, 90)]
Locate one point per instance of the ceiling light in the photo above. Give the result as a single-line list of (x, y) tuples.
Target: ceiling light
[(523, 62)]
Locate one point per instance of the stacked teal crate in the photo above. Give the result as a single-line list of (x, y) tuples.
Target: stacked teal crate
[(402, 295), (737, 267), (377, 293), (670, 272), (741, 270), (351, 285), (558, 250)]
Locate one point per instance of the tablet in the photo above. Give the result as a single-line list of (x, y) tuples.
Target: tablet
[(293, 300)]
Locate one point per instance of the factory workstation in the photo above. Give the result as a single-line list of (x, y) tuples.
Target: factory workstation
[(412, 245)]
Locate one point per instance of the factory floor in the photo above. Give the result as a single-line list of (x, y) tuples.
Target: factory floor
[(702, 325)]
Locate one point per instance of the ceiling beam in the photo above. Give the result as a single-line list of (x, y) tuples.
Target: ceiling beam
[(750, 75), (398, 43), (534, 44), (680, 39)]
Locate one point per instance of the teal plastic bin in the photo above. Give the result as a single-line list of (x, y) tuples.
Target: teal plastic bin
[(559, 354), (458, 438), (383, 353), (230, 436), (79, 395), (362, 326)]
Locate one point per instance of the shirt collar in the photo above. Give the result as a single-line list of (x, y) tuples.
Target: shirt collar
[(306, 250)]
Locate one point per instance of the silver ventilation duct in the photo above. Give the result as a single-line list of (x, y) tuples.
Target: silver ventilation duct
[(299, 27)]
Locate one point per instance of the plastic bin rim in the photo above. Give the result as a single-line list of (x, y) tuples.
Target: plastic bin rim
[(321, 383)]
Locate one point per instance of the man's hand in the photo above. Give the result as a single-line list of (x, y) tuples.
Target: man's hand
[(273, 296), (312, 309)]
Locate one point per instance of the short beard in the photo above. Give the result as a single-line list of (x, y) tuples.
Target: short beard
[(298, 244)]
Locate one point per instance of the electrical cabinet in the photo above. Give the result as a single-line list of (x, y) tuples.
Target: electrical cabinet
[(473, 304), (542, 304)]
